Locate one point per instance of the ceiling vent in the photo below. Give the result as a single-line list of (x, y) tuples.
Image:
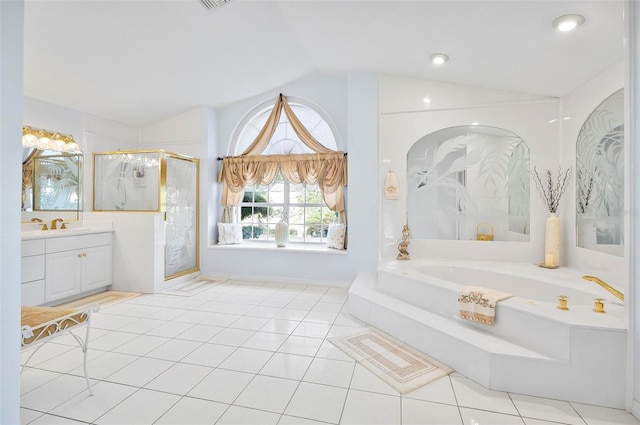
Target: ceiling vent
[(212, 4)]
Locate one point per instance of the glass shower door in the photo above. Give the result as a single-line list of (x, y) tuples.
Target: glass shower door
[(181, 221)]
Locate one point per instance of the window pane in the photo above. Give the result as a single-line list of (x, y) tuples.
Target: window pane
[(314, 196), (296, 215)]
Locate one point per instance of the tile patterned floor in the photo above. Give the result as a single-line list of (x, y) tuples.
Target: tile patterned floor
[(253, 353)]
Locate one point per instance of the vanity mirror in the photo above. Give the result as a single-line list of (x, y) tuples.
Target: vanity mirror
[(461, 177), (600, 178), (51, 175)]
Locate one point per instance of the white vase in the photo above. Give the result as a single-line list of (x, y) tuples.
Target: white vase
[(552, 241), (282, 234)]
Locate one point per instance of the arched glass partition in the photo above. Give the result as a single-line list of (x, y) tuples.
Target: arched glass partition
[(600, 178), (469, 182)]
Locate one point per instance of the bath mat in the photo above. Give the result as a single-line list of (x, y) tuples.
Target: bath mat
[(103, 299), (193, 286), (402, 367)]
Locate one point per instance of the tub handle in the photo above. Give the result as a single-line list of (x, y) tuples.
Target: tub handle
[(484, 236)]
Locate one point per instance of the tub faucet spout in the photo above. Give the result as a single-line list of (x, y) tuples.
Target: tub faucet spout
[(606, 286)]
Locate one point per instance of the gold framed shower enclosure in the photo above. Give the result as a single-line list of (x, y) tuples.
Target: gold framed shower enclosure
[(154, 181)]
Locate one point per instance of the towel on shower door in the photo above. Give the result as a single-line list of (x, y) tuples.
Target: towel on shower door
[(479, 304)]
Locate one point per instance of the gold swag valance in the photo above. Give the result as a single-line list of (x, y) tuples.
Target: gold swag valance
[(326, 168)]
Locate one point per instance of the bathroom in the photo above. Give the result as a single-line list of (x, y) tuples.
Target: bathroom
[(354, 100)]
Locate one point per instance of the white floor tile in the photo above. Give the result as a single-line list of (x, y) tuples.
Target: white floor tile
[(275, 302), (232, 337), (220, 319), (140, 372), (238, 308), (209, 355), (365, 380), (28, 415), (263, 311), (187, 303), (330, 307), (320, 317), (179, 378), (55, 420), (301, 345), (418, 412), (249, 323), (142, 326), (302, 304), (109, 321), (48, 351), (105, 365), (329, 351), (212, 306), (337, 330), (200, 332), (69, 360), (193, 412), (193, 316), (32, 378), (88, 408), (267, 393), (480, 417), (167, 314), (243, 416), (292, 314), (111, 341), (330, 372), (246, 360), (313, 330), (174, 349), (170, 329), (317, 402), (369, 408), (221, 385), (265, 341), (473, 395), (547, 409), (143, 407), (292, 420), (594, 415), (137, 310), (141, 345), (280, 326), (283, 365), (438, 391), (53, 393), (531, 421)]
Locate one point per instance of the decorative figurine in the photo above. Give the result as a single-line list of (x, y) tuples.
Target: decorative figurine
[(404, 244)]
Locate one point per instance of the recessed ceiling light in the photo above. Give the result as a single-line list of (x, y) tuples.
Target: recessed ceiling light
[(475, 123), (439, 58), (567, 22), (427, 99)]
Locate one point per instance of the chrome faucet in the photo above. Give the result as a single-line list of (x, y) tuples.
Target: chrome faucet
[(54, 224), (37, 220)]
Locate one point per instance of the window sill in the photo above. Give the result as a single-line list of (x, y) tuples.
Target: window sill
[(253, 246)]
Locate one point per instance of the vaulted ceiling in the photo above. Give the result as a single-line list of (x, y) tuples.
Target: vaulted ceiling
[(141, 61)]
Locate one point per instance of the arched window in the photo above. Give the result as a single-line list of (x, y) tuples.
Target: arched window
[(301, 205)]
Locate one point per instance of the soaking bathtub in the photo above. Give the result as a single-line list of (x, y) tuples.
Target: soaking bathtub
[(534, 348)]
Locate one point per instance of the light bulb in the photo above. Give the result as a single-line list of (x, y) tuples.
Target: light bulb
[(439, 58), (29, 140), (567, 22)]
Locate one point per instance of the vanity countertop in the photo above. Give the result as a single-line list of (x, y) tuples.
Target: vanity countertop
[(58, 233)]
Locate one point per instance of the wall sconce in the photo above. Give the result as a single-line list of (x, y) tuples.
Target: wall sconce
[(48, 140), (391, 186)]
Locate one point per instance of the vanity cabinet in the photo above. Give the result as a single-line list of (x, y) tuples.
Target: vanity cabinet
[(65, 266), (32, 265), (77, 264)]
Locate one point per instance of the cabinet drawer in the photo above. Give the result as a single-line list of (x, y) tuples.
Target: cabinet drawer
[(69, 243), (33, 293), (32, 268), (32, 247)]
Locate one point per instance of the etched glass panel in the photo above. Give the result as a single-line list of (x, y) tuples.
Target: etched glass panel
[(600, 178), (181, 222), (460, 178), (127, 182)]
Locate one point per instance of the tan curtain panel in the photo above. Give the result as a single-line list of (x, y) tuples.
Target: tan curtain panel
[(327, 168)]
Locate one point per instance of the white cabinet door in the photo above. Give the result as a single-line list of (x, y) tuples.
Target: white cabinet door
[(96, 267), (63, 274)]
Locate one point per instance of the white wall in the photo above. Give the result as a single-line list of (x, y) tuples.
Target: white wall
[(575, 109), (11, 99), (405, 117)]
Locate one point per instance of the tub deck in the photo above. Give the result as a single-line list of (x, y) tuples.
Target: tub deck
[(534, 349)]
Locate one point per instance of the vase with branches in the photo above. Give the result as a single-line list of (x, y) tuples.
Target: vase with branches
[(551, 191)]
